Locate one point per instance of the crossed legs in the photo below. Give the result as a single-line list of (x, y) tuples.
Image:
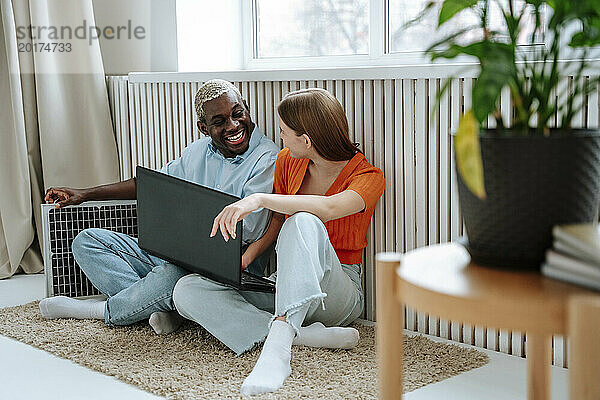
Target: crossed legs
[(138, 286), (312, 288)]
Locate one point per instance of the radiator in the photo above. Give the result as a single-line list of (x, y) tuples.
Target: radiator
[(154, 120), (60, 226)]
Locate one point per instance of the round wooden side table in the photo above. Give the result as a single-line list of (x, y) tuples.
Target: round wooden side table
[(441, 280)]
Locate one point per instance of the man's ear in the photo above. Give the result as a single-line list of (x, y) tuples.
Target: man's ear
[(246, 105), (203, 128)]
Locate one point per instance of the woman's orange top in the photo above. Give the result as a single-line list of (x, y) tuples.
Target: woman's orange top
[(348, 235)]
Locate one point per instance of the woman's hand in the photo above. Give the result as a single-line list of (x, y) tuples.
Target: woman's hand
[(232, 214), (63, 196), (246, 259)]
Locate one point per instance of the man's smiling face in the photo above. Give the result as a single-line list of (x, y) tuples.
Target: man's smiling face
[(228, 123)]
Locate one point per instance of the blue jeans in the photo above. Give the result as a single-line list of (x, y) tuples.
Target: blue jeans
[(137, 284), (312, 285)]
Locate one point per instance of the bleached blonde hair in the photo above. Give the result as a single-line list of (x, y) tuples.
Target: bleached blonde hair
[(211, 90)]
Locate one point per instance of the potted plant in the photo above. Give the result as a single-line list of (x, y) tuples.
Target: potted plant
[(516, 181)]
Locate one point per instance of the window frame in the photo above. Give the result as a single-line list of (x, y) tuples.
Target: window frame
[(378, 46), (380, 53)]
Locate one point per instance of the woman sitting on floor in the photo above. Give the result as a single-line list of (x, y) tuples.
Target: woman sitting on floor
[(327, 191)]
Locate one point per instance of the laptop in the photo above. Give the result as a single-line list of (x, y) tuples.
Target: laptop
[(175, 218)]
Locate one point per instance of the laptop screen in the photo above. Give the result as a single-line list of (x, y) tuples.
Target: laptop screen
[(175, 218)]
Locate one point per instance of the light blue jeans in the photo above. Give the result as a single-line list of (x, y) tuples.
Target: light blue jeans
[(312, 285), (137, 284)]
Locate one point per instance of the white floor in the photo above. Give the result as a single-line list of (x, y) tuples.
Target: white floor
[(27, 373)]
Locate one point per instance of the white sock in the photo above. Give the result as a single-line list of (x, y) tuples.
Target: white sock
[(273, 365), (318, 335), (66, 307), (165, 322)]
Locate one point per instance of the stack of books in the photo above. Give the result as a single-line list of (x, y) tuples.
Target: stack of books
[(575, 256)]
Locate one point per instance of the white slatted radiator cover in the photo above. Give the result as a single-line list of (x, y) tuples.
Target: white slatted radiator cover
[(391, 119), (60, 226)]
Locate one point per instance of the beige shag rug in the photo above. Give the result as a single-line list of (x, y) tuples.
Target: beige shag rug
[(191, 364)]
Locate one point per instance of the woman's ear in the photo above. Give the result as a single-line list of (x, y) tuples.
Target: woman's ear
[(307, 140)]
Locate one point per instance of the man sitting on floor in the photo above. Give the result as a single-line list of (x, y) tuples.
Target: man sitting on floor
[(233, 157)]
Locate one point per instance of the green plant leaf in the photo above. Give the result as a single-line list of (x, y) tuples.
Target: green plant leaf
[(589, 36), (532, 78), (494, 75), (535, 3), (485, 51), (498, 69), (451, 7), (468, 154), (486, 90), (422, 14), (450, 39)]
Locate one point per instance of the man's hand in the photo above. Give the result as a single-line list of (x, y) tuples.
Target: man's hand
[(228, 218), (63, 196)]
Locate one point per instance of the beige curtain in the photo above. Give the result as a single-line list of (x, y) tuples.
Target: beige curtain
[(55, 127)]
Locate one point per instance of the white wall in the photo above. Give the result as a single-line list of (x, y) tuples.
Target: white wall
[(156, 51)]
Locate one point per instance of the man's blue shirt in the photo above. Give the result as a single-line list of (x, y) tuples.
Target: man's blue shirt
[(242, 175)]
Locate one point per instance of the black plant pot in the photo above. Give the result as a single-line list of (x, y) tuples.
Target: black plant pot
[(532, 184)]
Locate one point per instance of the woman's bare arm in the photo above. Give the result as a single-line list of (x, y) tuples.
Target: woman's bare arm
[(326, 208), (255, 249)]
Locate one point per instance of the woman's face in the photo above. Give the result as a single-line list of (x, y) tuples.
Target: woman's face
[(297, 144)]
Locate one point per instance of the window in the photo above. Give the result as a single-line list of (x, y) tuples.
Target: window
[(423, 34), (209, 35), (289, 34), (345, 33), (285, 28)]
